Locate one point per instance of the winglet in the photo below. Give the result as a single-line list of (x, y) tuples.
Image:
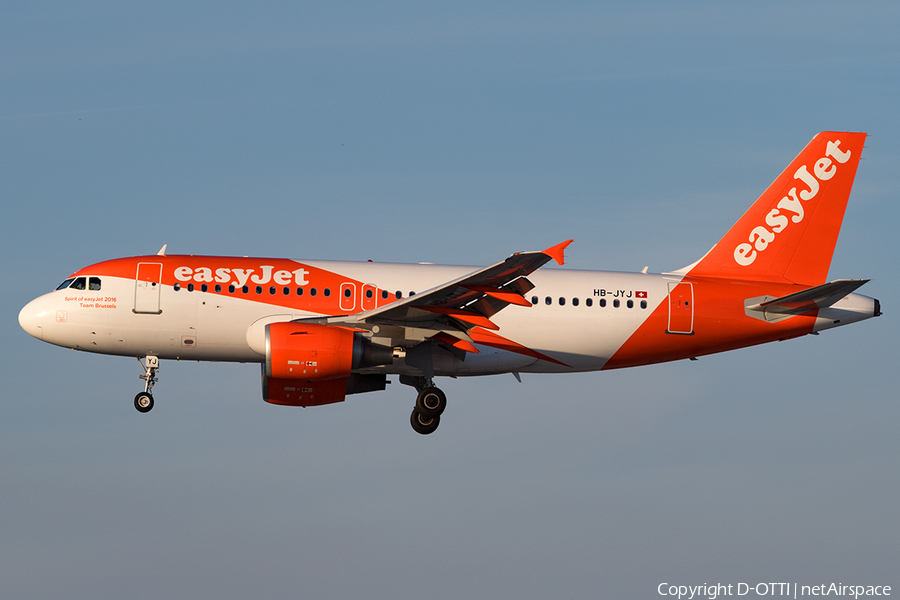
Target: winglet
[(162, 251), (557, 252)]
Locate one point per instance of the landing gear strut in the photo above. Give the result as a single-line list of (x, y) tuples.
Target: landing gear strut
[(143, 402), (430, 404)]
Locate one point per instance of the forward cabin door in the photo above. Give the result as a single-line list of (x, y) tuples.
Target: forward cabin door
[(681, 308), (147, 283)]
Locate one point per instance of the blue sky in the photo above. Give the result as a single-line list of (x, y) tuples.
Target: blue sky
[(450, 133)]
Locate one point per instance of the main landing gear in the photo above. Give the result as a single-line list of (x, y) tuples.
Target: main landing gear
[(430, 404), (144, 400)]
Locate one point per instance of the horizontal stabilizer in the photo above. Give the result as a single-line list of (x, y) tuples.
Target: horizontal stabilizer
[(820, 296)]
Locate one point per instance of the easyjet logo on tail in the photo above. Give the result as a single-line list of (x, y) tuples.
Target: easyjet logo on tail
[(791, 205)]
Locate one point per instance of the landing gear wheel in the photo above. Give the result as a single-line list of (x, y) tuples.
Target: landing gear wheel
[(143, 402), (422, 424), (431, 402)]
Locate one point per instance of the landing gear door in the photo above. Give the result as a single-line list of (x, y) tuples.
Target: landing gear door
[(681, 308), (147, 283)]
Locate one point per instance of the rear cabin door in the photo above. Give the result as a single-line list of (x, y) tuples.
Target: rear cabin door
[(681, 308), (147, 283)]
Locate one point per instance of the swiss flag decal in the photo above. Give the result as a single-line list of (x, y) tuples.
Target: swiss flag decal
[(640, 294)]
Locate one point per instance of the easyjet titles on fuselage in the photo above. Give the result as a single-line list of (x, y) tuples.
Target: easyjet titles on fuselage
[(240, 276)]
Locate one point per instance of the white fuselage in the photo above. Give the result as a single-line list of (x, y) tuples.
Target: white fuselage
[(579, 318)]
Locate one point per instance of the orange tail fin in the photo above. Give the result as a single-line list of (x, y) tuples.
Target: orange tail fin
[(789, 233)]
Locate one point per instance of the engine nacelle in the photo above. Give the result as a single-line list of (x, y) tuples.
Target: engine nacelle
[(308, 352)]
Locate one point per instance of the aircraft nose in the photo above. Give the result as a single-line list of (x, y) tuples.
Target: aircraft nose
[(31, 318)]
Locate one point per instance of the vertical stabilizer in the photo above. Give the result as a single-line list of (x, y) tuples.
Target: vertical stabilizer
[(789, 233)]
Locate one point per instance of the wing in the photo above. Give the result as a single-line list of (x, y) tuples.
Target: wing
[(447, 312)]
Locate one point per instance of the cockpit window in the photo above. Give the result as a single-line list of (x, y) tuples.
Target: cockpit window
[(94, 284), (78, 284), (65, 283)]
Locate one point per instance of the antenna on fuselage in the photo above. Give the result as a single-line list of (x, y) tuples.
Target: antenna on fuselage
[(162, 251)]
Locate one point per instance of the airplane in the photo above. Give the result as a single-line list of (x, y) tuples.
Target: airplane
[(322, 330)]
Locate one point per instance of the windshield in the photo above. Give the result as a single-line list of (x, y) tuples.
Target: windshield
[(89, 283)]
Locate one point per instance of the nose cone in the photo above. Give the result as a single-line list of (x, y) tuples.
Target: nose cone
[(31, 318)]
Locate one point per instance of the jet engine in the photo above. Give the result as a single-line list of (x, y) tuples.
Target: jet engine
[(308, 364)]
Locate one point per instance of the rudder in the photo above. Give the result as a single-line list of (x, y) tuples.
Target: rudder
[(789, 233)]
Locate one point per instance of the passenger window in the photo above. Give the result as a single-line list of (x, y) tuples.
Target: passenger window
[(643, 304), (231, 289), (312, 291), (368, 293), (630, 303), (384, 294), (548, 300), (259, 289), (190, 287), (534, 300), (588, 302), (412, 293), (94, 284), (218, 288), (562, 301), (327, 292), (78, 284), (272, 290), (204, 287), (398, 295), (299, 291), (65, 284), (574, 301), (286, 291), (616, 303), (246, 289), (176, 287), (602, 302)]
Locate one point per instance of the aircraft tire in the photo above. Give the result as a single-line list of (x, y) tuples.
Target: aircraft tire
[(143, 402), (431, 402), (422, 424)]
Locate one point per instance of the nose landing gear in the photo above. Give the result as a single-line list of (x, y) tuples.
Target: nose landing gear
[(143, 402)]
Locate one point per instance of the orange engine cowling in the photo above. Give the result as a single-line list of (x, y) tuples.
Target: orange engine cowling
[(311, 365), (308, 352), (318, 352)]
